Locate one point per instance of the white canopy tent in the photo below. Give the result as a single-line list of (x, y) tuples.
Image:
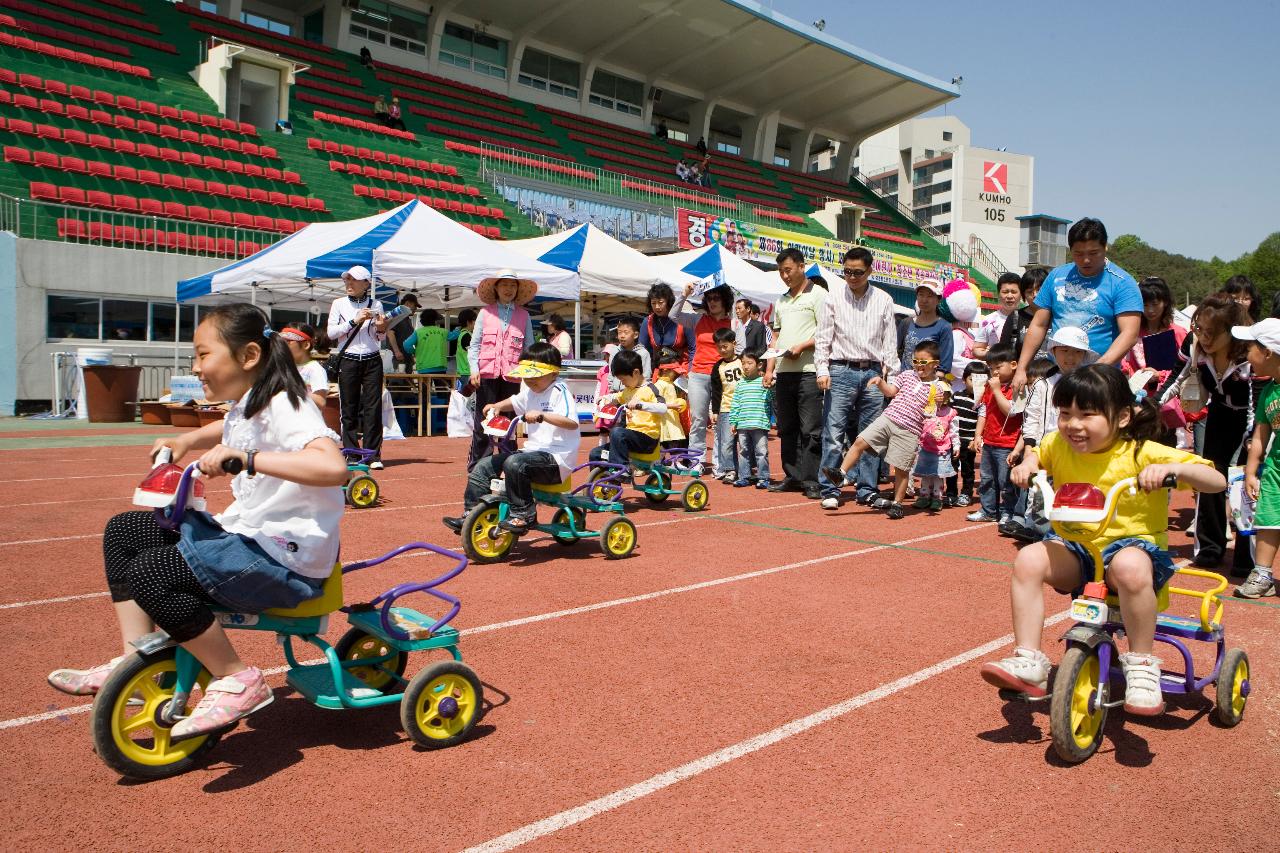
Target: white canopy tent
[(412, 248)]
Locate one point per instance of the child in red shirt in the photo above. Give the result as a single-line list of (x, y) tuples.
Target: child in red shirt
[(997, 432)]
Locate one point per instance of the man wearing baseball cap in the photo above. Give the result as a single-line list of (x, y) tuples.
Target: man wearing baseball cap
[(927, 326), (357, 326), (1262, 477)]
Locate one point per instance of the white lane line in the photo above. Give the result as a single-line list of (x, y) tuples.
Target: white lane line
[(688, 517), (662, 593), (720, 757), (50, 539), (16, 604), (573, 611)]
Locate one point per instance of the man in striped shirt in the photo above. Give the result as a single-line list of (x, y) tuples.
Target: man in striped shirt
[(856, 343)]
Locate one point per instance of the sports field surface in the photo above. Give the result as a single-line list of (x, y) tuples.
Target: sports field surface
[(757, 676)]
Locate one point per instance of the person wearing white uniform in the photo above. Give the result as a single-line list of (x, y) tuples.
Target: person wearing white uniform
[(357, 326)]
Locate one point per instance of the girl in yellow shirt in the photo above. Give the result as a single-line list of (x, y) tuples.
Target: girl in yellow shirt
[(1103, 437)]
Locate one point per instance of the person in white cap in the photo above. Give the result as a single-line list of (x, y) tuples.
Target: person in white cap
[(1264, 487), (928, 325), (357, 326), (503, 330), (1069, 346)]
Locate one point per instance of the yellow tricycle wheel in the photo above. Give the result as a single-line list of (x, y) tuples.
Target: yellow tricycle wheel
[(130, 733), (359, 645), (442, 705), (695, 496), (482, 538), (603, 492), (574, 517), (362, 491), (618, 538), (1076, 716), (1233, 687)]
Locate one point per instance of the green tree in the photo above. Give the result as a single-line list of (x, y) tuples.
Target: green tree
[(1263, 266)]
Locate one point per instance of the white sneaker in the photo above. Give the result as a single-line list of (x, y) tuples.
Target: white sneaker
[(830, 503), (1142, 684), (375, 465), (1026, 671)]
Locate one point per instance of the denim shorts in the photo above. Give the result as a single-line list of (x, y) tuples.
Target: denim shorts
[(1162, 568), (236, 572)]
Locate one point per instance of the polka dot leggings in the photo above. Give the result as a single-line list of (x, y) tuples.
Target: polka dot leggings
[(144, 565)]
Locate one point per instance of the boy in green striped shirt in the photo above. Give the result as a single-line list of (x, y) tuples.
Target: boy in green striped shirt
[(749, 419)]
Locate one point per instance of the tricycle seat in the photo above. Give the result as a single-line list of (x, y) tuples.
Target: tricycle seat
[(1162, 599), (650, 458), (563, 487), (329, 600)]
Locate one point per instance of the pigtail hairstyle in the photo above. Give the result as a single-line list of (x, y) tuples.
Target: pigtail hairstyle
[(1103, 388), (241, 324)]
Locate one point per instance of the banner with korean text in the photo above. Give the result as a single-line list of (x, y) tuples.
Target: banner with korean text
[(753, 242)]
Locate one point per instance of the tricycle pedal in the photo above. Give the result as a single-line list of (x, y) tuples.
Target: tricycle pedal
[(1018, 696)]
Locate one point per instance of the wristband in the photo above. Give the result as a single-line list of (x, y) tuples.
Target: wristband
[(249, 468)]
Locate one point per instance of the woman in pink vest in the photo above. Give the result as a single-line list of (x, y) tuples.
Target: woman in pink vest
[(503, 329)]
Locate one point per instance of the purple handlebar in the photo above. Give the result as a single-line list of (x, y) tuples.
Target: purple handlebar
[(171, 517), (358, 455), (388, 598)]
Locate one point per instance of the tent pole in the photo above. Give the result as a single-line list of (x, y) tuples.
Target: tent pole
[(577, 329), (177, 331)]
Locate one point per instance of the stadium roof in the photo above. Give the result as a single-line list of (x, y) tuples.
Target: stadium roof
[(738, 52)]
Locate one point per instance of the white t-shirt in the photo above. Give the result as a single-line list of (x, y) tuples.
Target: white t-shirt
[(559, 442), (315, 377), (992, 326), (297, 525)]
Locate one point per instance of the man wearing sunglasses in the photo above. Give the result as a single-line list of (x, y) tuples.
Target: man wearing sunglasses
[(856, 343)]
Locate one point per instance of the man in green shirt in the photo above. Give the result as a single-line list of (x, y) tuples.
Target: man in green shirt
[(462, 337), (797, 400)]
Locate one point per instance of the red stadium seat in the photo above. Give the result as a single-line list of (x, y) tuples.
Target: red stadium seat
[(198, 213), (146, 176), (168, 180), (46, 160), (101, 97), (13, 154), (72, 228), (193, 185), (219, 217), (148, 108), (253, 170), (127, 203), (97, 198), (125, 173), (258, 196), (237, 192), (190, 158), (263, 223), (316, 204), (234, 166), (48, 131), (175, 210), (70, 195), (125, 102), (75, 137), (125, 146), (215, 188), (150, 206), (242, 220), (277, 198)]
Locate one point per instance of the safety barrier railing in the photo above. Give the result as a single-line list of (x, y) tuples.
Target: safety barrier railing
[(157, 368), (38, 220)]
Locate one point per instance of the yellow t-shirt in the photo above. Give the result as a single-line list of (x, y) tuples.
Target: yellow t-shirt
[(638, 419), (1144, 515), (671, 428)]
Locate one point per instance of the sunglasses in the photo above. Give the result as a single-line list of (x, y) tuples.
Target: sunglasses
[(854, 273), (921, 362)]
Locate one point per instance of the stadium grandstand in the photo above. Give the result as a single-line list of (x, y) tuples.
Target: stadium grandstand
[(145, 141)]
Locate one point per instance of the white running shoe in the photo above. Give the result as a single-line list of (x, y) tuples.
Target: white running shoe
[(1142, 684), (1026, 671)]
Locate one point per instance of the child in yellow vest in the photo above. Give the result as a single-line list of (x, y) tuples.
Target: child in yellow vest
[(640, 432), (670, 368)]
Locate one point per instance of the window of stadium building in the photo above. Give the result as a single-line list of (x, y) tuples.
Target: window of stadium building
[(548, 73), (478, 52), (617, 93), (728, 148), (255, 19), (395, 26), (96, 319)]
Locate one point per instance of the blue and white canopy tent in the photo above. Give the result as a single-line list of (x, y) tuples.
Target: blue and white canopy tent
[(613, 274), (411, 249)]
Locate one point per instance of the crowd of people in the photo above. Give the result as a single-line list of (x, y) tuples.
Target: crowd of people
[(1081, 373)]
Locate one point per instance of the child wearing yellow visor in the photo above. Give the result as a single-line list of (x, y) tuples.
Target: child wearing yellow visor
[(551, 441)]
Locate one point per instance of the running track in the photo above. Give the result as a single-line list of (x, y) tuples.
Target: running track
[(758, 676)]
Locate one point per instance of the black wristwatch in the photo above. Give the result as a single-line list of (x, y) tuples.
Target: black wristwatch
[(249, 468)]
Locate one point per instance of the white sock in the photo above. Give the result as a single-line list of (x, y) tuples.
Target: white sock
[(1265, 571)]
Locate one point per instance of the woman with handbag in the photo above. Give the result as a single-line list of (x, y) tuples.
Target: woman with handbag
[(1217, 376), (1166, 341), (357, 325)]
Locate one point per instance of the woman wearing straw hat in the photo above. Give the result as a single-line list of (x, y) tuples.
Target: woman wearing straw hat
[(503, 329)]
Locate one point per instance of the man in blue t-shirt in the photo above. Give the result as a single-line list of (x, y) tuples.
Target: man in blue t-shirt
[(1091, 293)]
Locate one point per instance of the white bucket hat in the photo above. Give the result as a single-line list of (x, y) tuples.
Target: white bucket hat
[(1073, 337)]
